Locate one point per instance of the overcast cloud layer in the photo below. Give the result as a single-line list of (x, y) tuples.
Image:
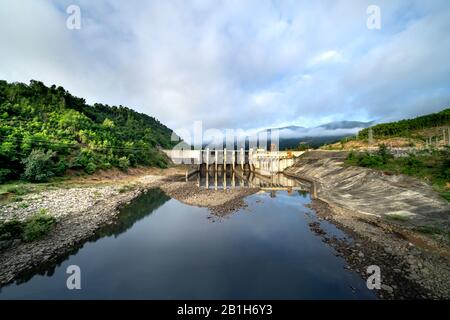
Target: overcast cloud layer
[(237, 64)]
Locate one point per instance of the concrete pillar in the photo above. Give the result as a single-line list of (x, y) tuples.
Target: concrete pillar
[(207, 159), (198, 179), (207, 180), (242, 158), (225, 161), (215, 179), (217, 159), (250, 158), (225, 181), (233, 159), (233, 181)]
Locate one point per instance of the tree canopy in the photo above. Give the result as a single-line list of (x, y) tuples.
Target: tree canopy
[(79, 136), (405, 128)]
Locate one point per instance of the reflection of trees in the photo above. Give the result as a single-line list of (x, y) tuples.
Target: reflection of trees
[(303, 193), (138, 209), (135, 211)]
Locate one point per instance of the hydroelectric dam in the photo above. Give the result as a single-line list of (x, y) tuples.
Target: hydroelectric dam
[(259, 161)]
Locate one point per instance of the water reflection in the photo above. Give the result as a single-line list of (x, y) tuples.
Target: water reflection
[(238, 179), (138, 209)]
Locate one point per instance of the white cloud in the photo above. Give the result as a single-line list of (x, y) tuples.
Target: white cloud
[(236, 64), (327, 56)]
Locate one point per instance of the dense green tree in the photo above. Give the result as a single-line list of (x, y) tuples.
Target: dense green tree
[(405, 128), (39, 165), (77, 135)]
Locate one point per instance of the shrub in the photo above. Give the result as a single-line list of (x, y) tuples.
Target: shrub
[(38, 226), (370, 161), (384, 154), (351, 156), (157, 159), (4, 175), (60, 167), (90, 168), (39, 165), (412, 161), (10, 230), (123, 163), (83, 158)]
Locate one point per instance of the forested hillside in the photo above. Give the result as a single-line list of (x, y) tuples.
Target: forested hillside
[(45, 130), (409, 127)]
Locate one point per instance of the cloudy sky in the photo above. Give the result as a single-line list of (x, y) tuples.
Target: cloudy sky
[(239, 63)]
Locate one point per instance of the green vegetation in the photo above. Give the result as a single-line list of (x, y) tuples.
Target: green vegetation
[(38, 226), (44, 131), (439, 232), (39, 165), (407, 128), (303, 146), (126, 188), (19, 190), (432, 166), (29, 230)]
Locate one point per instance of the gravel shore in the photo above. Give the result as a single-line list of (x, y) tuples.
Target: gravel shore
[(408, 271)]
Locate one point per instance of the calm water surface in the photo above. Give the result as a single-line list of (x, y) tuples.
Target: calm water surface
[(164, 249)]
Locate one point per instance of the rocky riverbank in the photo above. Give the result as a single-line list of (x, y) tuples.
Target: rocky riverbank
[(358, 201)]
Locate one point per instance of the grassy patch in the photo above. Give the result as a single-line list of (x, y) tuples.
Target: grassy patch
[(14, 191), (19, 190), (435, 231), (33, 228), (17, 199), (126, 188)]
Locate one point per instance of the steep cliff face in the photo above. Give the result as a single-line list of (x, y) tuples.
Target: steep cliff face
[(372, 192)]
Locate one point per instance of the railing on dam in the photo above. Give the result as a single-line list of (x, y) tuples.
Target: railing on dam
[(259, 160)]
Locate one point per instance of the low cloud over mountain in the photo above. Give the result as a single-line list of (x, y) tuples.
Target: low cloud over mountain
[(331, 129)]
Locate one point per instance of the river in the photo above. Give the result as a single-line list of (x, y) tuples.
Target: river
[(161, 248)]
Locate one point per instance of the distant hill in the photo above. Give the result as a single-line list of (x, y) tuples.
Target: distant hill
[(73, 134), (292, 136), (346, 125), (408, 127)]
